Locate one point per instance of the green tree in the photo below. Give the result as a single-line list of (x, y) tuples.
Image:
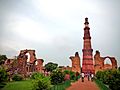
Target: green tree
[(50, 66), (2, 59), (3, 77), (3, 74), (57, 77)]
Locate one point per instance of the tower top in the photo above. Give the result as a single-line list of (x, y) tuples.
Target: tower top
[(86, 21)]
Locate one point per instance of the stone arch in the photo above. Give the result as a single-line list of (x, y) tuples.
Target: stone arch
[(26, 60), (113, 61), (107, 61), (28, 57), (36, 62), (99, 62)]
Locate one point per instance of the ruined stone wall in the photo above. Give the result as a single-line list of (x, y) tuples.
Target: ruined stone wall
[(39, 65), (76, 63), (25, 66), (100, 65)]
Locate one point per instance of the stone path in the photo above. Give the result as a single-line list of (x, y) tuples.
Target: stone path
[(86, 85)]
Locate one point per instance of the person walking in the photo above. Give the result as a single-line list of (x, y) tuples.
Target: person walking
[(92, 77), (82, 77), (88, 75)]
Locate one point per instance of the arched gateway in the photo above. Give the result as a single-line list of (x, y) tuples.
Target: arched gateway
[(113, 62), (28, 63), (100, 65)]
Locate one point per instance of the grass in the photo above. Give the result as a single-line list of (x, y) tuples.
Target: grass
[(19, 85), (61, 86), (101, 85)]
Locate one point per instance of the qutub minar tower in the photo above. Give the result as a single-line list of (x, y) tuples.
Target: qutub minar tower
[(87, 63)]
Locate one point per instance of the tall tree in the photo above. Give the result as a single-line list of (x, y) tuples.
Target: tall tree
[(2, 59), (50, 66)]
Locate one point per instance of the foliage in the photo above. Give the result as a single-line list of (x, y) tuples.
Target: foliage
[(110, 77), (57, 77), (72, 74), (50, 66), (119, 68), (37, 75), (40, 82), (101, 85), (2, 59), (17, 77), (66, 71), (61, 86), (3, 77), (21, 85)]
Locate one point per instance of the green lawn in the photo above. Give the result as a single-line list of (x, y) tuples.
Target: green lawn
[(19, 85), (101, 85)]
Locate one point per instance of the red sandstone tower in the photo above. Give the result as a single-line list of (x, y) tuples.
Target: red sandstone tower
[(87, 64)]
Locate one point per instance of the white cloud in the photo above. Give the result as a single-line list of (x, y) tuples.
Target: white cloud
[(28, 28), (67, 11)]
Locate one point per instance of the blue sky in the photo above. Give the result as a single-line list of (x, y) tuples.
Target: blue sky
[(54, 28)]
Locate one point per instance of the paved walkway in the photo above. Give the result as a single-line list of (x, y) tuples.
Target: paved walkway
[(86, 85)]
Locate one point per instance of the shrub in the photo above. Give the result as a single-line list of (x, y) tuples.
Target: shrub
[(66, 71), (37, 75), (40, 82), (3, 77), (110, 77), (67, 77), (17, 77), (57, 77), (71, 73)]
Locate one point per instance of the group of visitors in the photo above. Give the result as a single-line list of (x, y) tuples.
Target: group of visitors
[(88, 75)]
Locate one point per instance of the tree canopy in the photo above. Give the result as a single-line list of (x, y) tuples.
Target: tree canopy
[(2, 59), (50, 66)]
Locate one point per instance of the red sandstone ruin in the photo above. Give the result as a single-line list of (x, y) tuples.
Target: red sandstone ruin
[(88, 64), (100, 65), (76, 63), (26, 63)]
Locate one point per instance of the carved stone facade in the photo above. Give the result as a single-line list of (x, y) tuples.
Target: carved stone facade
[(76, 63), (100, 65)]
